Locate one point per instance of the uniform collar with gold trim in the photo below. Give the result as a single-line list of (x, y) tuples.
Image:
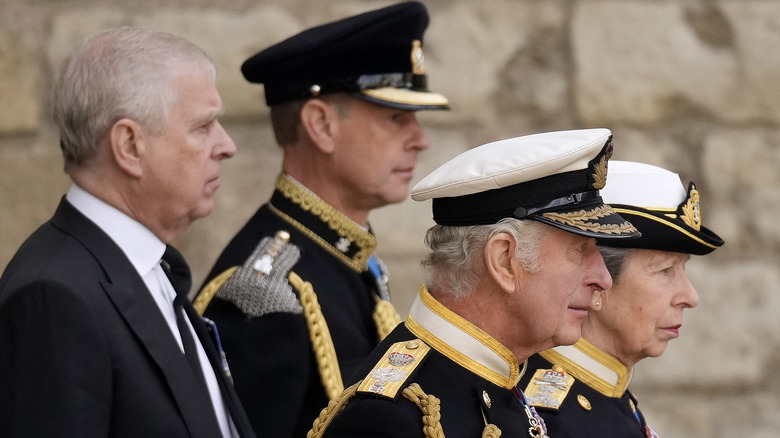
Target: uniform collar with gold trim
[(318, 220), (462, 342), (596, 368)]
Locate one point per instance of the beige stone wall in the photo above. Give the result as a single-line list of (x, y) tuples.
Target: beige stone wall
[(689, 85)]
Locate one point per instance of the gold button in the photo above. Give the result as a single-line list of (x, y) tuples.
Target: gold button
[(412, 345), (584, 402), (283, 235)]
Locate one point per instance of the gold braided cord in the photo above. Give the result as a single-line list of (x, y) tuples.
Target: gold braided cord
[(335, 406), (321, 341), (430, 407), (385, 317), (491, 431), (207, 293)]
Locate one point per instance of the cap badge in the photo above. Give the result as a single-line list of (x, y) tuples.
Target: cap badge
[(418, 60), (598, 166), (691, 211)]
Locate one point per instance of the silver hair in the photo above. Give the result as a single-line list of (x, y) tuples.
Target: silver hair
[(614, 259), (456, 261), (124, 72)]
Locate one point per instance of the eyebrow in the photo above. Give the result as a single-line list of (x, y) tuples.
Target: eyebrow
[(214, 115)]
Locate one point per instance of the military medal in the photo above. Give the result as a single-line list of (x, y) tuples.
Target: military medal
[(537, 427)]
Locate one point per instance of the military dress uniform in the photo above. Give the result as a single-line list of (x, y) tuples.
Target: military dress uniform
[(298, 295), (581, 391), (435, 375), (286, 343)]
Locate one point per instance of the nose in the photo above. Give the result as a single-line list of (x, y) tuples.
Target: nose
[(687, 295), (420, 140), (226, 148), (596, 275)]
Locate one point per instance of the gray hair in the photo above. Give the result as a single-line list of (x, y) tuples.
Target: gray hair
[(125, 72), (455, 264), (614, 259)]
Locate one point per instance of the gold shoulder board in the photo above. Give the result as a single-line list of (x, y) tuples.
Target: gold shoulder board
[(549, 387), (394, 369)]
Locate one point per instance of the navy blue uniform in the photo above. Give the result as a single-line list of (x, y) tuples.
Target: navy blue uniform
[(587, 396), (269, 346), (431, 372)]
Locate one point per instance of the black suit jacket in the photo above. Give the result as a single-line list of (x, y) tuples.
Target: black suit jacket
[(84, 349)]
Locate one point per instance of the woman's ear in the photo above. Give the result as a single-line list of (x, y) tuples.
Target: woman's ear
[(320, 121), (127, 146), (500, 261)]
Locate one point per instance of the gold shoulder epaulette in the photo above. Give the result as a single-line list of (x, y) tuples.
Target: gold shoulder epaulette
[(259, 286), (549, 387), (395, 368)]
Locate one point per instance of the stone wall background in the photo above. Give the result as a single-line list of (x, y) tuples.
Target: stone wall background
[(689, 85)]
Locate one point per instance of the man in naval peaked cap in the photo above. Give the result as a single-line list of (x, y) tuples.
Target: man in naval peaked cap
[(299, 295), (512, 268)]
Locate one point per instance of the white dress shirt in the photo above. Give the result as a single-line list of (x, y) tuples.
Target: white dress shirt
[(145, 251)]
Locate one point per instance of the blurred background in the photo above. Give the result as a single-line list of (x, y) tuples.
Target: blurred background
[(690, 85)]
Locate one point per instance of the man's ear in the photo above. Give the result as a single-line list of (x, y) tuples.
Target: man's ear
[(127, 145), (320, 121), (500, 261)]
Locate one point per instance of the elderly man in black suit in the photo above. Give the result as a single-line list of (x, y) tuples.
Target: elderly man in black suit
[(97, 337)]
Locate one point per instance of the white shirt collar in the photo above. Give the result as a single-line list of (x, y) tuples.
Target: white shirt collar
[(140, 245)]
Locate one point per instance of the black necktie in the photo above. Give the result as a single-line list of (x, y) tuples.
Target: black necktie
[(178, 273)]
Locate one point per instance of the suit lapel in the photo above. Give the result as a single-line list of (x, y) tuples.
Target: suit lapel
[(229, 395), (133, 301)]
